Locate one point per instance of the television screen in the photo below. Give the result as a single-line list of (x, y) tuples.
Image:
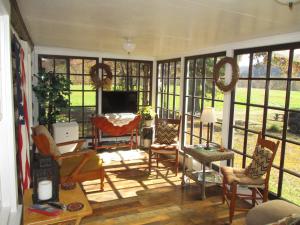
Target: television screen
[(119, 102)]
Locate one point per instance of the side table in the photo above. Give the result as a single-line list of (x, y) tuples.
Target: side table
[(66, 217), (198, 153)]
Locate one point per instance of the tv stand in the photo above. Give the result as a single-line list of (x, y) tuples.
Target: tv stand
[(116, 126)]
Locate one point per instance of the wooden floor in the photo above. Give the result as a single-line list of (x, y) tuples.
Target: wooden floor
[(132, 196)]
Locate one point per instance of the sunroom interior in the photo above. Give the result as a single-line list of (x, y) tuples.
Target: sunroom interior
[(174, 48)]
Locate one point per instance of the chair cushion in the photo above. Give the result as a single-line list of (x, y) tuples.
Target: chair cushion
[(166, 133), (260, 162), (70, 164), (41, 129), (238, 175)]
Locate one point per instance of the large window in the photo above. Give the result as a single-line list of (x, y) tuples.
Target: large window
[(267, 99), (132, 75), (168, 88), (83, 98), (200, 92)]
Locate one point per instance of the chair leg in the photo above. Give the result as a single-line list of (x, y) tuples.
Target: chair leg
[(265, 194), (233, 189), (224, 189), (253, 196), (102, 176), (150, 160), (176, 163), (157, 156)]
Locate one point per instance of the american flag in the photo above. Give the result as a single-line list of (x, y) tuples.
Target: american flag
[(23, 126)]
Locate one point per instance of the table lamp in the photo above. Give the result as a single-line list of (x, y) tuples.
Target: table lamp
[(208, 116)]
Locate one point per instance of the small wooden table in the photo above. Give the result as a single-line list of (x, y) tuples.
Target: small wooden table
[(66, 217), (204, 157)]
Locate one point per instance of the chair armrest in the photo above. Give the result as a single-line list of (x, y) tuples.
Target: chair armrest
[(87, 153), (79, 143)]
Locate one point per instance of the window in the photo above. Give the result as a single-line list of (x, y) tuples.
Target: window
[(132, 75), (168, 88), (83, 98), (200, 92), (267, 99)]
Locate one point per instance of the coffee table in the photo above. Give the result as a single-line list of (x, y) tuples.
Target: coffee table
[(205, 157), (66, 217)]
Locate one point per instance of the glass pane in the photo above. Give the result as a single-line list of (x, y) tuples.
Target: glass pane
[(171, 98), (293, 132), (258, 88), (80, 130), (89, 98), (196, 126), (238, 140), (243, 63), (238, 160), (76, 98), (198, 87), (209, 66), (196, 140), (292, 159), (278, 153), (239, 115), (291, 188), (188, 125), (145, 69), (76, 66), (177, 103), (295, 95), (259, 68), (88, 113), (219, 111), (87, 129), (273, 182), (197, 106), (217, 134), (171, 86), (189, 105), (199, 67), (190, 68), (76, 82), (187, 139), (165, 101), (178, 69), (159, 100), (178, 91), (208, 88), (159, 73), (255, 118), (63, 116), (207, 103), (121, 69), (47, 65), (166, 70), (88, 83), (275, 122), (172, 70), (132, 83), (251, 143), (296, 64), (280, 63), (88, 63), (121, 83), (133, 68), (219, 94), (76, 114), (60, 66), (277, 90), (190, 87), (241, 91)]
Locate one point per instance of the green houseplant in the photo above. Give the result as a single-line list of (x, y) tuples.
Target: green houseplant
[(148, 114), (52, 91)]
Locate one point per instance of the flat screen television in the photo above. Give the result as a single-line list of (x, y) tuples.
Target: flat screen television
[(119, 102)]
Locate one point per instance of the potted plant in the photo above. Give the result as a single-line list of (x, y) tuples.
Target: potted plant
[(52, 91), (147, 114)]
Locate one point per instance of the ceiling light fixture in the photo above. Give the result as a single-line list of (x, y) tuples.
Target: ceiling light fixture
[(290, 3), (129, 46)]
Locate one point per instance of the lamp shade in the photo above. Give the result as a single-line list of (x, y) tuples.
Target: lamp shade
[(208, 115)]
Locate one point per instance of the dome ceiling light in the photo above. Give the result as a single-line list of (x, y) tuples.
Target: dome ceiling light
[(290, 3), (129, 46)]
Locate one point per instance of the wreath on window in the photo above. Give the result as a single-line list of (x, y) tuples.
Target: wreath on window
[(235, 74), (97, 82)]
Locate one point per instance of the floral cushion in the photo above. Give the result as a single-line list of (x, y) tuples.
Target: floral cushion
[(166, 133), (260, 162)]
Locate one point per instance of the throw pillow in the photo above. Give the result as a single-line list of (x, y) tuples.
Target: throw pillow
[(166, 133), (260, 162)]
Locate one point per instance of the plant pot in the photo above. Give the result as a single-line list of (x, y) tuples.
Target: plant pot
[(147, 143), (148, 123)]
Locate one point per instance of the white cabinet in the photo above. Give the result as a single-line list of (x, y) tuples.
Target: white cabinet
[(63, 132)]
